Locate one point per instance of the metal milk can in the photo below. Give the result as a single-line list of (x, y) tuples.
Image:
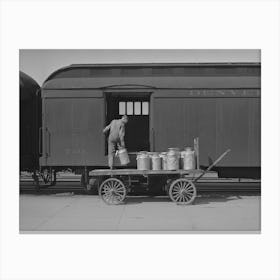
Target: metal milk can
[(143, 161), (123, 156), (156, 161), (188, 159), (173, 156)]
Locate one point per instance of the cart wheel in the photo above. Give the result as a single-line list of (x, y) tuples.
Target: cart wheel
[(182, 191), (112, 191)]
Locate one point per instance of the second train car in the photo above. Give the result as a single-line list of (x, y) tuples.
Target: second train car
[(168, 106)]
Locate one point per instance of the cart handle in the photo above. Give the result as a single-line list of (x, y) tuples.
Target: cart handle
[(212, 165)]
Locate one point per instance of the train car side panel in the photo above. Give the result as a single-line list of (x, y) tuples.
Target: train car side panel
[(221, 122), (254, 137), (177, 121), (73, 125), (238, 128)]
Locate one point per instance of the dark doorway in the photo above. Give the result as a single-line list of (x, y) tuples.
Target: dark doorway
[(137, 108)]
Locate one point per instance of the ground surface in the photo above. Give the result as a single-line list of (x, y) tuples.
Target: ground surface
[(78, 212)]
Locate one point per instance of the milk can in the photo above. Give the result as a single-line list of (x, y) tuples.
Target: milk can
[(156, 161), (173, 156), (164, 160), (143, 161), (188, 159), (123, 156)]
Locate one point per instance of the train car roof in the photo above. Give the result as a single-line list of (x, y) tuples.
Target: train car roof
[(28, 86), (156, 75), (174, 64)]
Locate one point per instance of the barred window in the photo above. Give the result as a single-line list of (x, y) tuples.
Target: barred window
[(136, 108)]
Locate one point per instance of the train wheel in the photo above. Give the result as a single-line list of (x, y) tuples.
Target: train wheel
[(44, 179), (83, 181), (182, 191), (92, 187), (36, 182), (167, 186), (112, 191)]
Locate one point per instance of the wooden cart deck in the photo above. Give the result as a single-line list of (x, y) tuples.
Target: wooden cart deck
[(131, 172)]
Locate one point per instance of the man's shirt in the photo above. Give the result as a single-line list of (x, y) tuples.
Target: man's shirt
[(117, 131)]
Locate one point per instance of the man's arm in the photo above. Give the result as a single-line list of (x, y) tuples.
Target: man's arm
[(107, 128)]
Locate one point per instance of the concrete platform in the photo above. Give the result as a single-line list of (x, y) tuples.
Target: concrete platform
[(67, 212)]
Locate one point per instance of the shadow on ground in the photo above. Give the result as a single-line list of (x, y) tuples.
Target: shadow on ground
[(200, 199), (205, 196)]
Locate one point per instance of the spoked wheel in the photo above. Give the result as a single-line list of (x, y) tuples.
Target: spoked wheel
[(112, 191), (182, 191)]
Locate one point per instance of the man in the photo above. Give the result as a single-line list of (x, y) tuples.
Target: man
[(116, 137)]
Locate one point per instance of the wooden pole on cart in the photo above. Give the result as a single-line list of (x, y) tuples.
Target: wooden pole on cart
[(196, 150), (212, 165)]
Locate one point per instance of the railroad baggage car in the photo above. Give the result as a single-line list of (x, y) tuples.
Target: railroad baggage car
[(168, 105), (30, 117)]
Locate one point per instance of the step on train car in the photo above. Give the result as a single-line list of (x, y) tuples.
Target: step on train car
[(168, 105)]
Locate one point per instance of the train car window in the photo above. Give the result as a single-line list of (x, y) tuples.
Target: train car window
[(145, 108), (122, 108), (129, 108), (137, 108)]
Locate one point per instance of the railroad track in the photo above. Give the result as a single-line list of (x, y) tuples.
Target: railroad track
[(73, 186)]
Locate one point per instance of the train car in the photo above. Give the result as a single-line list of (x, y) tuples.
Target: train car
[(168, 105), (30, 118)]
